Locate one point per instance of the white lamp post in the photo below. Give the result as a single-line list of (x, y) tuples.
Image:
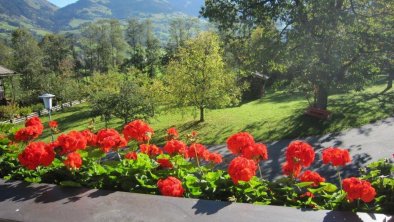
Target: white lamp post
[(47, 98)]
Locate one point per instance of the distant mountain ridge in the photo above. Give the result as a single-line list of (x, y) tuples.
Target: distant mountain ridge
[(42, 16)]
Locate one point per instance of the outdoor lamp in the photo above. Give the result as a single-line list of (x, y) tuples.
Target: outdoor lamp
[(47, 98)]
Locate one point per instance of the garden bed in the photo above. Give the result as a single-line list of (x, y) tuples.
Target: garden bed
[(108, 160), (21, 201)]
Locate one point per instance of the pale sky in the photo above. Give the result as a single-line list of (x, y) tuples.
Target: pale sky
[(62, 3)]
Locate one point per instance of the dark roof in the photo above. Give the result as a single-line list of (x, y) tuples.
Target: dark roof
[(6, 72)]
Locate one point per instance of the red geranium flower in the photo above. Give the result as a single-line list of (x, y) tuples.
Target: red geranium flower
[(53, 124), (172, 133), (71, 142), (198, 150), (358, 189), (138, 130), (28, 133), (299, 152), (290, 169), (90, 137), (170, 187), (310, 176), (165, 163), (34, 121), (238, 141), (215, 158), (150, 150), (307, 194), (257, 151), (175, 147), (336, 156), (242, 169), (73, 161), (131, 156), (36, 154), (108, 139)]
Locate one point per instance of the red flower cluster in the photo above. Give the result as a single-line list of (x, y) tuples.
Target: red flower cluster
[(358, 189), (34, 121), (165, 163), (292, 170), (138, 130), (131, 156), (73, 161), (71, 142), (175, 147), (257, 151), (310, 176), (33, 129), (307, 194), (108, 139), (242, 169), (90, 137), (201, 152), (336, 156), (53, 124), (215, 158), (170, 187), (172, 134), (238, 141), (299, 152), (150, 150), (198, 150), (243, 143), (36, 154)]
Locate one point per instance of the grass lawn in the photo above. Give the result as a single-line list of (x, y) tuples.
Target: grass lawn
[(276, 116)]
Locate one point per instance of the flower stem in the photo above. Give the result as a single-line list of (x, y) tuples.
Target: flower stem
[(261, 174), (198, 162), (339, 177)]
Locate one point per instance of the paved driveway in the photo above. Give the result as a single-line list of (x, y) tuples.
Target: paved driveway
[(368, 143)]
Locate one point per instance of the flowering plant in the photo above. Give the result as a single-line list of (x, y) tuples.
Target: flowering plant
[(128, 161)]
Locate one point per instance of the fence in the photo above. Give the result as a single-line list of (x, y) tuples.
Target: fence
[(43, 112)]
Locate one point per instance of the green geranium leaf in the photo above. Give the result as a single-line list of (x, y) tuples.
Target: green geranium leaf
[(303, 184)]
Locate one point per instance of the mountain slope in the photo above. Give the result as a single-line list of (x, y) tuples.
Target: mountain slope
[(40, 16), (32, 14), (72, 16)]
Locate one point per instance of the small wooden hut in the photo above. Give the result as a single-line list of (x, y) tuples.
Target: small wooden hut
[(4, 72)]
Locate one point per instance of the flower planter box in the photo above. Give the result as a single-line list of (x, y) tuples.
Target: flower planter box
[(20, 201)]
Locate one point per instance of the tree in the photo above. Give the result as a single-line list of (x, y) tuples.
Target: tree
[(153, 50), (132, 102), (198, 78), (326, 44), (27, 60), (103, 45), (56, 51), (135, 33)]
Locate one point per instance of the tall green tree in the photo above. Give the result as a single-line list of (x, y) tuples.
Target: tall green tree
[(153, 49), (326, 40), (198, 77), (103, 45), (27, 60), (56, 51)]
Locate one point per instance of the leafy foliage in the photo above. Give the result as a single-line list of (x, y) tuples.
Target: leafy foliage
[(199, 179)]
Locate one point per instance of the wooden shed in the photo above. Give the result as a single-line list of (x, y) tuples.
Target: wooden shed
[(4, 72)]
